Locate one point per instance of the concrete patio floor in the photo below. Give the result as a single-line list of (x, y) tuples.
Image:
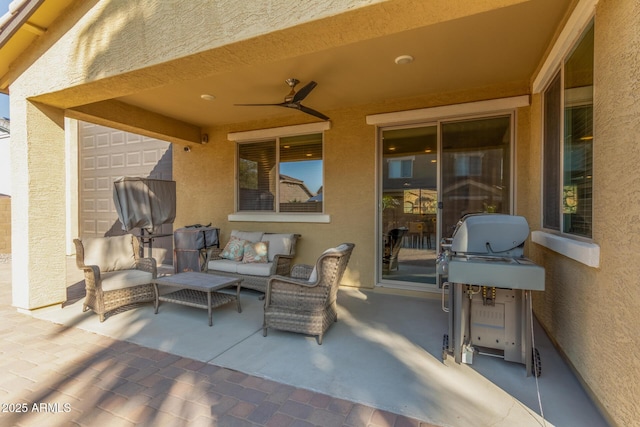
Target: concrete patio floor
[(384, 352)]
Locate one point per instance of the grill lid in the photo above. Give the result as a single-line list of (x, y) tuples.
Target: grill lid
[(489, 233)]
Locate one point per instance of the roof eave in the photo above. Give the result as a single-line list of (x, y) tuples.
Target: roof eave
[(18, 19)]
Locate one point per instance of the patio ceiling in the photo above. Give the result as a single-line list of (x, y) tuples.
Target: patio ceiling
[(498, 48)]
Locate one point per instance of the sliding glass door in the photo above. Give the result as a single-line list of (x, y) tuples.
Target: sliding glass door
[(431, 176), (476, 169), (409, 200)]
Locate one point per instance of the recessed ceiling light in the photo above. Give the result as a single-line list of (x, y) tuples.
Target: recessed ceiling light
[(207, 97), (404, 59)]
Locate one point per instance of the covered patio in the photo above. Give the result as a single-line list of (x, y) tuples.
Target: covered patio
[(431, 72), (400, 337)]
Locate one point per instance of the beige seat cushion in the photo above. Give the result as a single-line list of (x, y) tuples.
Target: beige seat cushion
[(255, 269), (125, 279), (228, 266), (279, 244), (109, 253), (225, 265)]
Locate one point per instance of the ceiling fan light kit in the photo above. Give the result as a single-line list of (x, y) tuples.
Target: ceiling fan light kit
[(293, 99)]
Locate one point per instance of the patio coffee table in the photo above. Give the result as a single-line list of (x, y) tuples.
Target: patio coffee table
[(202, 290)]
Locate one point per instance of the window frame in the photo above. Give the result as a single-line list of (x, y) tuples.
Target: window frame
[(262, 135), (573, 247), (558, 76)]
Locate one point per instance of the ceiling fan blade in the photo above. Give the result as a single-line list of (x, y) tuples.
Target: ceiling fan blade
[(302, 93), (313, 112), (281, 104)]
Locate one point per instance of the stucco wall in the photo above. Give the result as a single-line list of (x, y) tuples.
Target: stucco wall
[(5, 224), (101, 50), (593, 313), (96, 51), (205, 179)]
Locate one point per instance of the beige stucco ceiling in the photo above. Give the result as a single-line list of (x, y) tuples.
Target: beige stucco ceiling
[(498, 47), (493, 49)]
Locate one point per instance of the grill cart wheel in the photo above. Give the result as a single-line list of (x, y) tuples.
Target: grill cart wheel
[(536, 364)]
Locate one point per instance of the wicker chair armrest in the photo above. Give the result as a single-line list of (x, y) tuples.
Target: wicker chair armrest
[(274, 281), (92, 277), (281, 265), (279, 287), (213, 254), (301, 271), (147, 264), (283, 285)]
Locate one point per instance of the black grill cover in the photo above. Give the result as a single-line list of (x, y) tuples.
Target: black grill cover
[(144, 203)]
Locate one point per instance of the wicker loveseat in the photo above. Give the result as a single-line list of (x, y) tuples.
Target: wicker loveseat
[(281, 248), (305, 302), (114, 274)]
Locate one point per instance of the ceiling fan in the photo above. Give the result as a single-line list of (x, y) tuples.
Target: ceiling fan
[(294, 99)]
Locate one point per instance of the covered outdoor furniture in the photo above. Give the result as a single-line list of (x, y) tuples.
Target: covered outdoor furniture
[(146, 204), (114, 274), (392, 248), (239, 257), (305, 302)]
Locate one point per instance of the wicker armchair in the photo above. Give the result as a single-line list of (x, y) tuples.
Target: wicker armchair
[(114, 274), (305, 302)]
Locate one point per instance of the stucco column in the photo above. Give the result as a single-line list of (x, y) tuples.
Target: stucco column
[(37, 205)]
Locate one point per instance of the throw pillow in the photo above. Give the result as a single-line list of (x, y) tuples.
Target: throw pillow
[(256, 252), (234, 250)]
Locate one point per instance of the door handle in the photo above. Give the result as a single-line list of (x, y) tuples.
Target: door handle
[(445, 285)]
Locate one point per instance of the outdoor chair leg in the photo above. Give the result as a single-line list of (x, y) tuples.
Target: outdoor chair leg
[(264, 331), (320, 339)]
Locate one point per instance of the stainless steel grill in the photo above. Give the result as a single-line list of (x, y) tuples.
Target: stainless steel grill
[(489, 284)]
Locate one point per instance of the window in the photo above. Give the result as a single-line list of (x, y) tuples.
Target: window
[(401, 168), (568, 143), (468, 165), (283, 174)]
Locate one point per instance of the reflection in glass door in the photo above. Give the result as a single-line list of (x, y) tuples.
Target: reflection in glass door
[(431, 176), (409, 205), (476, 169)]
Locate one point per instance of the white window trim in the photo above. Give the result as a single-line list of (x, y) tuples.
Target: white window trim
[(572, 31), (584, 252), (278, 217), (284, 131), (254, 135), (449, 111)]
